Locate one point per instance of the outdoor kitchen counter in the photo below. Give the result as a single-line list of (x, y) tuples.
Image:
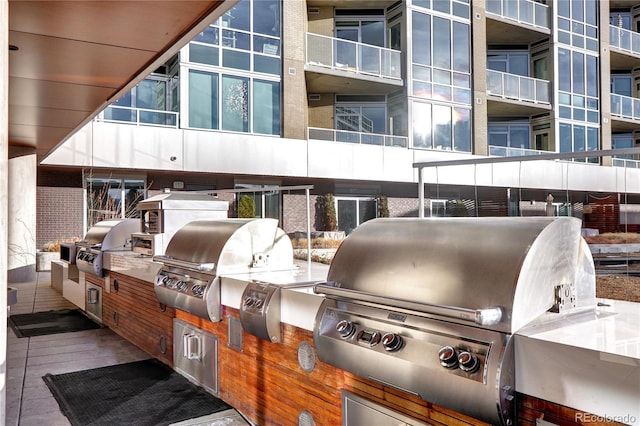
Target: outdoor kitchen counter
[(590, 364), (299, 304)]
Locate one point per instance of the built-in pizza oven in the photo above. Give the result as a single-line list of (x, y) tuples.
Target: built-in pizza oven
[(106, 235), (429, 306), (162, 215), (203, 250)]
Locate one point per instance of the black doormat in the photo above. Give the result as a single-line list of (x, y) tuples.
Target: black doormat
[(51, 322), (138, 393)]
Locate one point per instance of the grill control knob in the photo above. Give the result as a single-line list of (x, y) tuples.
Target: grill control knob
[(248, 302), (392, 342), (448, 357), (345, 328), (468, 361)]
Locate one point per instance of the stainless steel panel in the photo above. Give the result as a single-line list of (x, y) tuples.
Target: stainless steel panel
[(94, 302), (196, 293), (260, 311), (89, 261), (68, 252), (415, 367), (111, 234), (513, 265), (195, 355), (233, 245), (358, 411)]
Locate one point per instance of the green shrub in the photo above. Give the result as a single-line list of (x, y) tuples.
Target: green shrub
[(329, 211), (246, 207)]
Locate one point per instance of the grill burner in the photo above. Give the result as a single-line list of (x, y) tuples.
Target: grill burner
[(429, 306)]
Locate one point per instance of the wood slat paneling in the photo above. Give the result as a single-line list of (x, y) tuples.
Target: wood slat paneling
[(141, 319)]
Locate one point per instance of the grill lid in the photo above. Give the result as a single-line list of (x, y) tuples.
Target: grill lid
[(521, 267), (110, 234), (227, 246)]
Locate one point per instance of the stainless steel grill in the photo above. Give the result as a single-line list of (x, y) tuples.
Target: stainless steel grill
[(429, 306), (203, 250), (103, 236)]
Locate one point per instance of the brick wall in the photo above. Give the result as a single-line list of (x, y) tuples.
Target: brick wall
[(59, 214), (294, 207)]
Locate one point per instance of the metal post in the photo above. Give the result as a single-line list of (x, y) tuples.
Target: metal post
[(308, 230), (420, 193)]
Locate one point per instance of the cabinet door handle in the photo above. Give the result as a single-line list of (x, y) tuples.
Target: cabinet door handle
[(191, 346), (92, 296)]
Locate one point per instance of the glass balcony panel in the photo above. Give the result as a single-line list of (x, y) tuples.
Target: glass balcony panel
[(399, 141), (627, 107), (616, 104), (527, 89), (526, 11), (372, 139), (370, 59), (494, 83), (510, 9), (321, 134), (347, 55), (541, 15), (494, 6), (349, 137), (320, 50), (139, 116), (511, 86), (625, 39), (542, 91), (635, 42), (636, 108)]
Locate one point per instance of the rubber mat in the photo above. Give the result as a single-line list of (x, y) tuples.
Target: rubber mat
[(142, 393), (51, 322)]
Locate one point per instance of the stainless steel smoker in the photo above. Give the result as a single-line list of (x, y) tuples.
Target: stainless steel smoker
[(430, 306)]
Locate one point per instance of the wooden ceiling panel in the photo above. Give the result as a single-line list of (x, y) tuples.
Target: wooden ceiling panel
[(141, 25), (74, 57), (70, 61), (53, 94)]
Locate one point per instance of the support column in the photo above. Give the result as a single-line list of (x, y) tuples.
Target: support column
[(4, 155), (22, 183)]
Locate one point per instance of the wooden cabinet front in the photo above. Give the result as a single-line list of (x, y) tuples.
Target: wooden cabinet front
[(131, 309)]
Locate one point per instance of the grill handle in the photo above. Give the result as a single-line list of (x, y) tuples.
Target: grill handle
[(169, 261), (487, 316)]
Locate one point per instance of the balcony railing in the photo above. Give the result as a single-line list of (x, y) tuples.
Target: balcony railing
[(625, 107), (624, 162), (507, 151), (139, 116), (315, 133), (513, 86), (523, 11), (623, 39), (338, 54)]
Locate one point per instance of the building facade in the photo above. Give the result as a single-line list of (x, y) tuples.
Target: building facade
[(348, 96)]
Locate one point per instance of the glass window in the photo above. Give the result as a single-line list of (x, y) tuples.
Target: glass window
[(421, 125), (352, 212), (266, 17), (441, 43), (111, 198), (462, 130), (209, 36), (442, 127), (266, 64), (578, 73), (565, 138), (421, 38), (236, 59), (461, 47), (238, 17), (203, 100), (203, 54), (235, 103), (266, 107), (564, 63)]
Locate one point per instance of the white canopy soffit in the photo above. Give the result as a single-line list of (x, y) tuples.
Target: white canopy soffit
[(68, 60)]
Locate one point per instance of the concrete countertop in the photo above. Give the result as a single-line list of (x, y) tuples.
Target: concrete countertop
[(590, 363)]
